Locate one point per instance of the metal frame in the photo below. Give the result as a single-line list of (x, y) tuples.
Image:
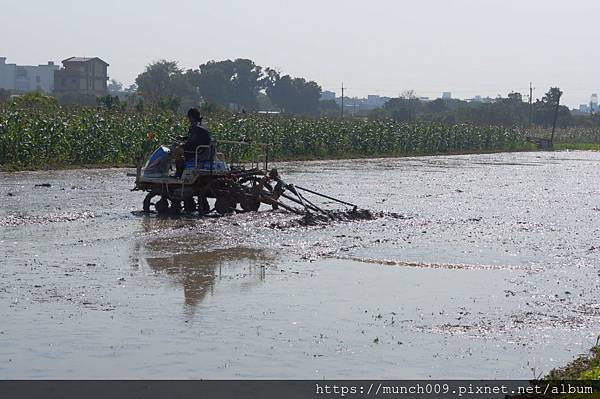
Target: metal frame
[(262, 157)]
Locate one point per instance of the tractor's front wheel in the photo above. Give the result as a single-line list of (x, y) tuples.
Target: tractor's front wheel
[(249, 203), (203, 205), (225, 204), (189, 205), (148, 202), (162, 206)]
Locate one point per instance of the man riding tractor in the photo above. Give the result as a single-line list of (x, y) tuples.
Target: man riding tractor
[(197, 136)]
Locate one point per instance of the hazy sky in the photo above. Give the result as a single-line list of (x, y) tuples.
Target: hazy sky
[(468, 47)]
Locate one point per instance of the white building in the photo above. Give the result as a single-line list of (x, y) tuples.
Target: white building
[(446, 95), (375, 101), (594, 102), (24, 78)]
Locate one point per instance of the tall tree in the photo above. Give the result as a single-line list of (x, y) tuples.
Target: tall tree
[(545, 108), (229, 82), (293, 95), (114, 86), (4, 95), (163, 79), (246, 83), (404, 108), (213, 80), (552, 96)]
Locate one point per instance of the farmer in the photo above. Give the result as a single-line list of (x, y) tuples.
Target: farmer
[(197, 135)]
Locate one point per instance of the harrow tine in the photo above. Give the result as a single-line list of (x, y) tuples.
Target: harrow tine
[(266, 199), (326, 196), (293, 189), (310, 204)]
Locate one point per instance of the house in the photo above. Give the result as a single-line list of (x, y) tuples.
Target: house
[(81, 76), (25, 78)]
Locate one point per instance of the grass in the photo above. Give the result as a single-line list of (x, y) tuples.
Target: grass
[(585, 367), (582, 373)]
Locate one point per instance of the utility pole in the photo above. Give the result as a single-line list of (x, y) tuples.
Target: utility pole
[(530, 104), (555, 118), (342, 100)]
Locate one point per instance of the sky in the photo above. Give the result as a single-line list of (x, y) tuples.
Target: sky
[(385, 47)]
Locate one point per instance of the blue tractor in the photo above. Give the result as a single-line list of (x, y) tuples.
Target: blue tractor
[(241, 184)]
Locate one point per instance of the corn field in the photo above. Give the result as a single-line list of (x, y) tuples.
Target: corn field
[(38, 136)]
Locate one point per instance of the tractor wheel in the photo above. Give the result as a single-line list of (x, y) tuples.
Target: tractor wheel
[(189, 205), (175, 208), (162, 206), (225, 205), (250, 184), (203, 206), (249, 203), (148, 202)]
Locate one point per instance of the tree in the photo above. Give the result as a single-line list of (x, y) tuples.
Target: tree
[(293, 95), (436, 106), (404, 108), (86, 100), (552, 97), (329, 108), (265, 103), (413, 103), (514, 97), (545, 108), (162, 81), (378, 114), (114, 86), (213, 81), (229, 82), (170, 102), (109, 102), (246, 83), (398, 109), (35, 99), (4, 95), (132, 88)]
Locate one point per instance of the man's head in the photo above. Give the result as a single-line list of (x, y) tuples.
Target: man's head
[(194, 115)]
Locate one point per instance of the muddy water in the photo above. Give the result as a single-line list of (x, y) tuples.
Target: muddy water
[(488, 269)]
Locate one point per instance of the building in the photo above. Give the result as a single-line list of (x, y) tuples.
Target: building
[(584, 108), (81, 76), (446, 95), (594, 103), (24, 78), (374, 101)]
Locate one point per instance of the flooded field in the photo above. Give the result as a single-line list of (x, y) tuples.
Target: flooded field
[(481, 266)]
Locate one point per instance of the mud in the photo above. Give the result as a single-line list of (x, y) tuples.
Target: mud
[(475, 266), (329, 217)]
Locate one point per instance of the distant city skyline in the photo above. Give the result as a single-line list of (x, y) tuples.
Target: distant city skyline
[(466, 47)]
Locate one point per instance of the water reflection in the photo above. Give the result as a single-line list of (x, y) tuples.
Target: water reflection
[(192, 264)]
